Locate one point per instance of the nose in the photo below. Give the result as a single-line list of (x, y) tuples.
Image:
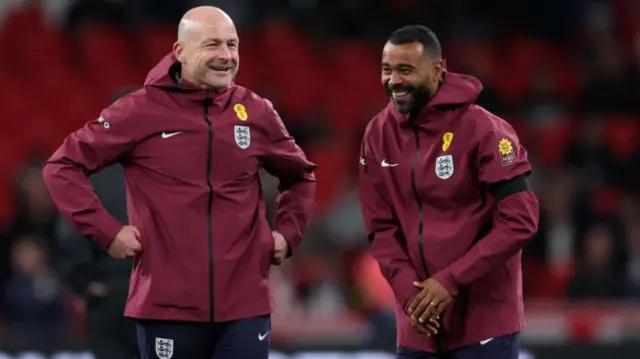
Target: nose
[(395, 79), (224, 53)]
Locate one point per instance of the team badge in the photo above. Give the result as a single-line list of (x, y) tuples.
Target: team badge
[(444, 166), (507, 155), (243, 136), (446, 141), (164, 348)]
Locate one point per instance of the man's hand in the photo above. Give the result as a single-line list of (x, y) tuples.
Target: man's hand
[(430, 302), (427, 329), (126, 244), (280, 248)]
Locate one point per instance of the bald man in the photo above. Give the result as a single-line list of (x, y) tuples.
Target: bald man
[(191, 143)]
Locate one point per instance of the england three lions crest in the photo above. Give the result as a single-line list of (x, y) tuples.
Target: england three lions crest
[(444, 166), (164, 348), (243, 136)]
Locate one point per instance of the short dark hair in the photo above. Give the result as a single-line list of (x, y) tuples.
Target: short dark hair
[(417, 33)]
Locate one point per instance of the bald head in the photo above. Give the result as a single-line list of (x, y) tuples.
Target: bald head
[(202, 16), (207, 47)]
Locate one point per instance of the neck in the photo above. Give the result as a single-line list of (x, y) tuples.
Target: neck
[(185, 77), (421, 104)]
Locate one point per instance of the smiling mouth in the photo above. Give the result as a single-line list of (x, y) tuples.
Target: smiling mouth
[(221, 69), (400, 94)]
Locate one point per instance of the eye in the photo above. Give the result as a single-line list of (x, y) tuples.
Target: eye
[(405, 71), (386, 70)]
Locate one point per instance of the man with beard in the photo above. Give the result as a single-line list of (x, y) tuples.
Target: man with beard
[(191, 144), (447, 206)]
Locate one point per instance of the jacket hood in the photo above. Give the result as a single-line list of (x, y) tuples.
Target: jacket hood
[(166, 75), (457, 89)]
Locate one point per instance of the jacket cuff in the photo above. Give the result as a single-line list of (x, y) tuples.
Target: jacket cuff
[(447, 282), (109, 228), (291, 236)]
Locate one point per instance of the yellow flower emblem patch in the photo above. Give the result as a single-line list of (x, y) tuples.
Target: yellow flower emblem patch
[(505, 147), (507, 155)]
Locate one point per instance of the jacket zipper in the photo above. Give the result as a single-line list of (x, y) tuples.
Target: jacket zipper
[(207, 104), (420, 211), (414, 164)]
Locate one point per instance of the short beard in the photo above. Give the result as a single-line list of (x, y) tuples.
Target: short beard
[(420, 95)]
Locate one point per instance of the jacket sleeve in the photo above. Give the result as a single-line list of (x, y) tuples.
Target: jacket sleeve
[(98, 144), (285, 160), (388, 245), (501, 157)]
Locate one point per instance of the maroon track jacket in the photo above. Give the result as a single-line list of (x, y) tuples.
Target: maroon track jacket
[(191, 159), (428, 212)]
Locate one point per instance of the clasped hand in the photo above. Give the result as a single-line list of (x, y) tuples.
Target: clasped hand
[(427, 306)]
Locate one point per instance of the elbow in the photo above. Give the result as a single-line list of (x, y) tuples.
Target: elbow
[(51, 175), (302, 186), (520, 215), (529, 218), (57, 174), (527, 230), (48, 173), (304, 182)]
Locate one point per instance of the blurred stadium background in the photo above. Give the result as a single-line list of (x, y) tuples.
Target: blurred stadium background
[(564, 73)]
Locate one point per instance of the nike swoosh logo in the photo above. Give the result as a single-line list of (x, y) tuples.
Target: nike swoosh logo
[(387, 164), (483, 342), (170, 134), (262, 336)]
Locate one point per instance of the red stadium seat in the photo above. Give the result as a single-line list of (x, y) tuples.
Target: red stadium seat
[(521, 129), (253, 72), (21, 31), (628, 26), (285, 48), (335, 166), (552, 141), (606, 200), (476, 57), (621, 134), (157, 42), (109, 65), (355, 93), (528, 56)]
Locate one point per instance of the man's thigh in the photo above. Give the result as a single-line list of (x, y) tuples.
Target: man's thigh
[(505, 347), (248, 338), (406, 353), (175, 340)]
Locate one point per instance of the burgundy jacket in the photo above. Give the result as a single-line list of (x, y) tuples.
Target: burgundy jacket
[(423, 186), (191, 160)]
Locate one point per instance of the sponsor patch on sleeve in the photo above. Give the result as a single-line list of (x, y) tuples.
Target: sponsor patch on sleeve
[(507, 154)]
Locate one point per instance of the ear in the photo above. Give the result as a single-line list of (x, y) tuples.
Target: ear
[(438, 69), (178, 51)]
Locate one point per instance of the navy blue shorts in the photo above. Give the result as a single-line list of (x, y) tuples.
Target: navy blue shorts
[(506, 347), (242, 339)]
